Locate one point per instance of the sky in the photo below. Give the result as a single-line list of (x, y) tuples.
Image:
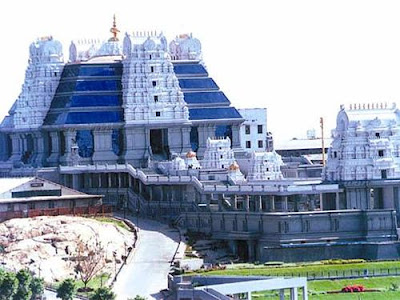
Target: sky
[(299, 59)]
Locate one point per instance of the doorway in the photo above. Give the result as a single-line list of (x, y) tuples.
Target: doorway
[(159, 143)]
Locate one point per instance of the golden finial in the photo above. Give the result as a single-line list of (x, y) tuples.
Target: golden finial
[(114, 30)]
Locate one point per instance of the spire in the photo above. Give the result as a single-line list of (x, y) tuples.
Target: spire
[(114, 30)]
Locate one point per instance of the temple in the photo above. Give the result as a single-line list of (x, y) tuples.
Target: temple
[(140, 121)]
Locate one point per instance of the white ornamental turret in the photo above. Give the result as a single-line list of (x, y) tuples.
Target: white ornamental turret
[(42, 76)]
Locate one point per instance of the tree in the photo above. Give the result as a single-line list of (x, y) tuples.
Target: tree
[(24, 292), (103, 293), (8, 286), (67, 289), (37, 287), (90, 260)]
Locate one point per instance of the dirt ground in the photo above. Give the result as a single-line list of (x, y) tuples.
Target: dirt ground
[(47, 245)]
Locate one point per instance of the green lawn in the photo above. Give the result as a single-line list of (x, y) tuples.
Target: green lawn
[(317, 289), (116, 222), (95, 283), (307, 269)]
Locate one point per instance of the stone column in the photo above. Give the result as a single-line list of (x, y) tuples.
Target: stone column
[(388, 197), (247, 203), (337, 201), (54, 157), (16, 151), (70, 137), (251, 250), (186, 146), (285, 203), (272, 203), (282, 294), (258, 201), (136, 145), (103, 152), (38, 148), (321, 202), (293, 293), (75, 181), (236, 137), (305, 293)]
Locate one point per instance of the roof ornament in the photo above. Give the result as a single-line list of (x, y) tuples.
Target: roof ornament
[(114, 30)]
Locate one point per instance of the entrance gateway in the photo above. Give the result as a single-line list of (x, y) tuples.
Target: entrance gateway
[(159, 143)]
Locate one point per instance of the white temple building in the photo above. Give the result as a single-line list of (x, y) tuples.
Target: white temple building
[(218, 154), (366, 143), (140, 121)]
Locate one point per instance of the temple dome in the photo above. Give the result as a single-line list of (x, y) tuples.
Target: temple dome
[(191, 154), (234, 166)]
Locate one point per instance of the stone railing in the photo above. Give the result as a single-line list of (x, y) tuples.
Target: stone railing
[(204, 188)]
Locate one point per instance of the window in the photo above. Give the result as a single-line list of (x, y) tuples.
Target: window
[(247, 129), (259, 128), (31, 205), (51, 204), (154, 83), (260, 144), (221, 156), (383, 174), (155, 98), (335, 154), (378, 135), (380, 153), (152, 69), (248, 144), (158, 114)]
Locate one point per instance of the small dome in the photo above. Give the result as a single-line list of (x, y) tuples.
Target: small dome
[(191, 154), (234, 166)]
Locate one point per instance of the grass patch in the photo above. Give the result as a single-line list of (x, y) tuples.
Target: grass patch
[(318, 289), (95, 283), (113, 221), (308, 269)]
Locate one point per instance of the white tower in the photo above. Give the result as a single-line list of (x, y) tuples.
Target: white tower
[(151, 90), (366, 143), (46, 63), (218, 154)]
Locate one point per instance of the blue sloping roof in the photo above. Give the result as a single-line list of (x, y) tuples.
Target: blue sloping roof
[(84, 117), (94, 117), (189, 69), (214, 113), (86, 101), (198, 84), (114, 69), (206, 97)]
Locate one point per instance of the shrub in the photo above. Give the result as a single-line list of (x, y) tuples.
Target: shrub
[(356, 288)]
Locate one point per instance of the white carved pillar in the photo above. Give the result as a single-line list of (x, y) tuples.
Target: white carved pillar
[(55, 148), (103, 152)]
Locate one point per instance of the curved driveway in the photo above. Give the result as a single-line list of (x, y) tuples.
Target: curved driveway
[(146, 272)]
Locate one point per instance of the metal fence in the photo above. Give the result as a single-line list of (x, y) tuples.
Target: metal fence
[(343, 274)]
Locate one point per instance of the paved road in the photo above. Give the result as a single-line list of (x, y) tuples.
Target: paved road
[(146, 273)]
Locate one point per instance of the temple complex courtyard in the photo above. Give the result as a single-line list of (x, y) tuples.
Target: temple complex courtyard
[(52, 246)]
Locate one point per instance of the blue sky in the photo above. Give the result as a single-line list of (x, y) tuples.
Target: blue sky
[(300, 59)]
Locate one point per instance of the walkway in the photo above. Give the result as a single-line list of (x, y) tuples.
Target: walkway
[(146, 273)]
